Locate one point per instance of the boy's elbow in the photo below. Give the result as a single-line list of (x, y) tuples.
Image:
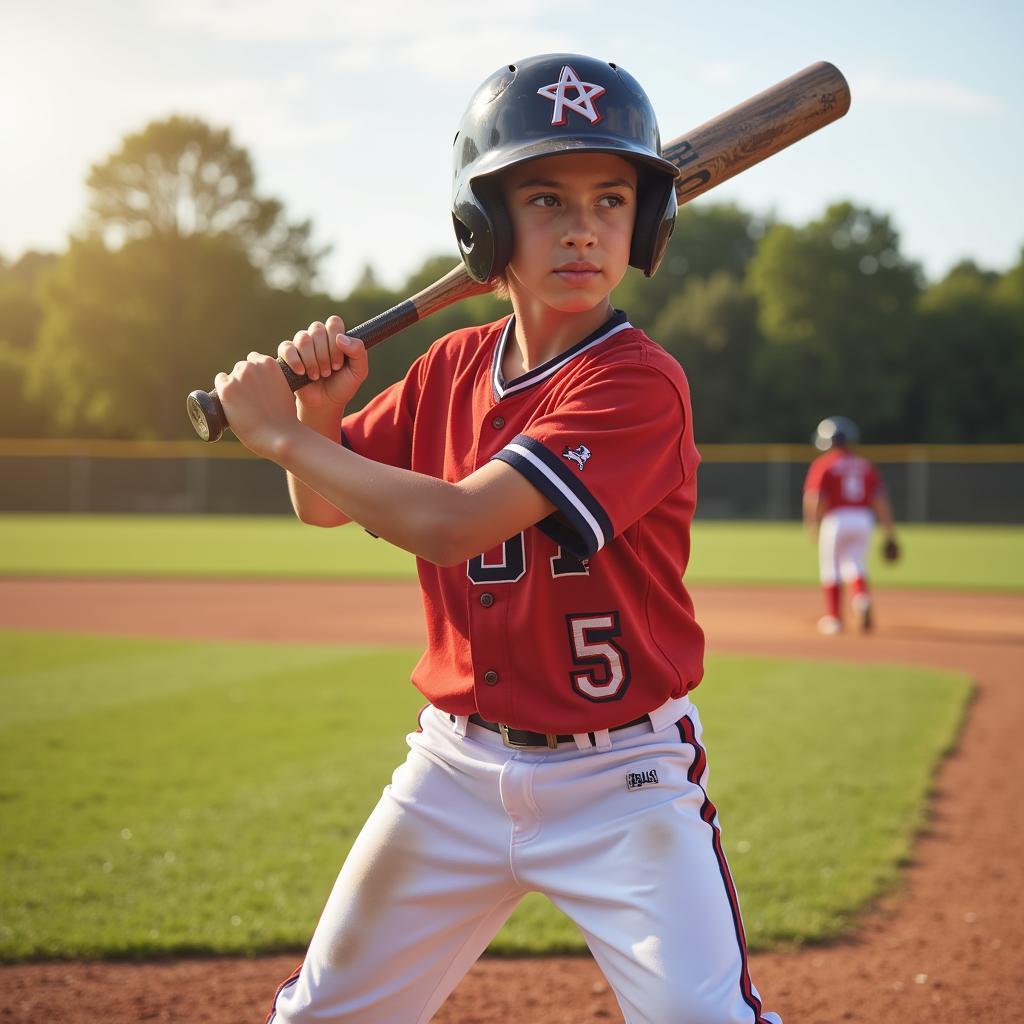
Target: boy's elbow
[(320, 517), (445, 542), (444, 549)]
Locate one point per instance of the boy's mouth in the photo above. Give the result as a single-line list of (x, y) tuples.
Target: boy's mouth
[(577, 271)]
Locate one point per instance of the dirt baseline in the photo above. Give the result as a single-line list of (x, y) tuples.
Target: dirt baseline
[(946, 946)]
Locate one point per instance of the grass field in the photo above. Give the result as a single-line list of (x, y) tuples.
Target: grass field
[(980, 557), (165, 797)]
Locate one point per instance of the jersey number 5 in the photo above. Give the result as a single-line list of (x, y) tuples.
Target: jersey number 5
[(592, 638)]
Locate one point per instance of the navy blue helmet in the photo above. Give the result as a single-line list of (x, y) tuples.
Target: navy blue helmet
[(546, 105)]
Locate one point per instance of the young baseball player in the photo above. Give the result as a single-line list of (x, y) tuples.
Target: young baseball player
[(843, 498), (542, 469)]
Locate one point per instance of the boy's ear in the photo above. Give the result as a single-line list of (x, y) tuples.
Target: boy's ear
[(655, 219)]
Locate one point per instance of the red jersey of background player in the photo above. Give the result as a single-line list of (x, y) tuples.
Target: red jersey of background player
[(844, 480), (582, 621)]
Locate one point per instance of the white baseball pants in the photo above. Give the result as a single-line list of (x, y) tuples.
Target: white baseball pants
[(843, 539), (620, 836)]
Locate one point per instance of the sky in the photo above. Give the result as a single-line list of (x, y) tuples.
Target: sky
[(349, 108)]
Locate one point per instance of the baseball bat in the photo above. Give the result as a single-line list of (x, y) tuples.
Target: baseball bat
[(712, 153)]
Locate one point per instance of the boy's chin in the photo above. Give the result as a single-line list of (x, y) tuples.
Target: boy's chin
[(578, 302), (566, 301)]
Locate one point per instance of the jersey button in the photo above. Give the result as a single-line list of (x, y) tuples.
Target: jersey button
[(498, 422), (491, 677), (487, 600)]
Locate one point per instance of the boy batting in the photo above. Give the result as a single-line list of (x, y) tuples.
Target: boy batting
[(543, 470)]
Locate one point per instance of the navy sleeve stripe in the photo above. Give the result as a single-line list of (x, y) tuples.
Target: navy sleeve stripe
[(588, 542), (569, 481), (557, 483)]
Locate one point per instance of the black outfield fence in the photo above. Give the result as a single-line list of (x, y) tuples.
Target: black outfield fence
[(928, 483)]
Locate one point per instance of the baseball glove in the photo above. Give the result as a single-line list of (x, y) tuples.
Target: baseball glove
[(891, 550)]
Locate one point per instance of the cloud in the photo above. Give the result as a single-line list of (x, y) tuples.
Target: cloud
[(446, 40), (924, 92), (278, 113), (430, 53), (352, 24)]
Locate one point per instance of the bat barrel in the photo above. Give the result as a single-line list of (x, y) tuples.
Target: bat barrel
[(758, 128)]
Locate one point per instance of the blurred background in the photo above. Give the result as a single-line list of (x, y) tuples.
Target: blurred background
[(184, 182)]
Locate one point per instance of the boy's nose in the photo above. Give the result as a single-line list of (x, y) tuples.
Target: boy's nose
[(580, 226), (579, 233)]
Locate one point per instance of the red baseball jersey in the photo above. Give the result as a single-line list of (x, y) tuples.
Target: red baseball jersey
[(582, 621), (845, 480)]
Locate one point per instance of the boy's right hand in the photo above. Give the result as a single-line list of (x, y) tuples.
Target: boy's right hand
[(335, 364)]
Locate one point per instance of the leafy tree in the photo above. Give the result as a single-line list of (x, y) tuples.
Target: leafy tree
[(21, 312), (836, 302), (711, 328), (27, 269), (706, 240), (129, 332), (179, 178), (969, 359), (1008, 295), (173, 280)]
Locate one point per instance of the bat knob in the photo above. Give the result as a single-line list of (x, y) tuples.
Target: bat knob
[(206, 414)]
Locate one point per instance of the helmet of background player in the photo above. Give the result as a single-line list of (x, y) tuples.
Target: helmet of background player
[(835, 430), (546, 105)]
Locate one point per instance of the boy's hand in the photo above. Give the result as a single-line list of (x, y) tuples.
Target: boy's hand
[(258, 403), (335, 364)]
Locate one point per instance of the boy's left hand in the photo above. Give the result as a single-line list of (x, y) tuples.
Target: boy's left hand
[(258, 403)]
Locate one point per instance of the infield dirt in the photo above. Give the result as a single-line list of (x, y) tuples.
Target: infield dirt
[(946, 946)]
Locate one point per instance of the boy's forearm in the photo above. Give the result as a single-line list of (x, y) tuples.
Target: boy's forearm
[(407, 509), (310, 506)]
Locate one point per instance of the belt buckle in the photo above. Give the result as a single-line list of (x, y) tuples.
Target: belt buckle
[(552, 740)]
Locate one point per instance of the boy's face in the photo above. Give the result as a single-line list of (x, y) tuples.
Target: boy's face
[(572, 225)]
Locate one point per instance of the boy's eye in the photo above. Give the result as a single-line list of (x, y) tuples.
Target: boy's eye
[(546, 200), (612, 201)]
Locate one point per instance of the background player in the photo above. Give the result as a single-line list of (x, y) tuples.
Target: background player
[(549, 511), (843, 497)]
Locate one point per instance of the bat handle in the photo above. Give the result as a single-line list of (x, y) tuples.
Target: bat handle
[(204, 407)]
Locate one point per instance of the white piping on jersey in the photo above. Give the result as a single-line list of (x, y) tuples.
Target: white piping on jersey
[(528, 379), (574, 501)]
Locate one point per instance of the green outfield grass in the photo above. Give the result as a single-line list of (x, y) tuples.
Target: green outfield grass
[(165, 797), (958, 557), (220, 546), (980, 557)]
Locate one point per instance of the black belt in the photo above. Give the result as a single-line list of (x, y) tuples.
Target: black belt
[(526, 738)]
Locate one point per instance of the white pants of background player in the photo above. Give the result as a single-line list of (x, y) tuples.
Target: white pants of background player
[(843, 540), (620, 835)]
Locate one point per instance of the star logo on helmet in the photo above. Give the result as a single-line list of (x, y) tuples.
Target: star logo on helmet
[(581, 102)]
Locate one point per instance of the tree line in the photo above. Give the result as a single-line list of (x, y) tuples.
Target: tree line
[(181, 266)]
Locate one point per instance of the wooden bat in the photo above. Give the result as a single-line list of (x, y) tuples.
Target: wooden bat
[(720, 148)]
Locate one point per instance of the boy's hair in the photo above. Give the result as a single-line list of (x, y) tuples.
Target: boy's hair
[(544, 106), (499, 287)]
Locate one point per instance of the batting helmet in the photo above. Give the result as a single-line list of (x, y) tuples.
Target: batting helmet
[(543, 106), (835, 430)]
